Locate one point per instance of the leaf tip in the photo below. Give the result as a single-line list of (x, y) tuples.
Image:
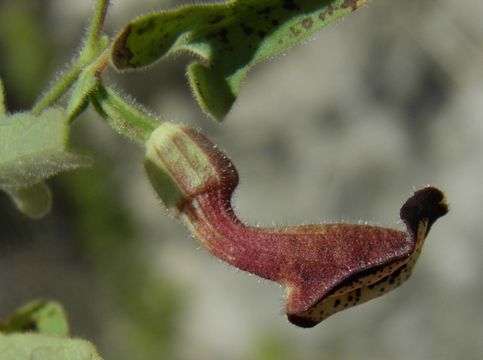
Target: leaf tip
[(34, 201), (211, 91)]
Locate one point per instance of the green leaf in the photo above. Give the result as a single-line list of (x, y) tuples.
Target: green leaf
[(44, 317), (45, 347), (227, 38), (32, 149), (34, 201)]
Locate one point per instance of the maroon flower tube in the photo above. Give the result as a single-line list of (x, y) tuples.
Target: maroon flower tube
[(325, 268)]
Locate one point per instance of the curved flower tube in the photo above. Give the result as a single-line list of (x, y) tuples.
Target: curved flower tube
[(325, 268)]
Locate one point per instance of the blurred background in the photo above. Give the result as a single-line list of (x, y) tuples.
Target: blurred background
[(342, 128)]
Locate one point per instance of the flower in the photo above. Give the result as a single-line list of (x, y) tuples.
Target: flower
[(325, 268)]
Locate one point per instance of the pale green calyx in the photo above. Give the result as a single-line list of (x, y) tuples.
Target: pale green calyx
[(181, 164)]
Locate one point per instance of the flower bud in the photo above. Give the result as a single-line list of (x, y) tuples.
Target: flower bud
[(325, 268)]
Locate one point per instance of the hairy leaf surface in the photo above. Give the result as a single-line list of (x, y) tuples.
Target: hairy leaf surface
[(32, 149), (45, 347), (227, 39)]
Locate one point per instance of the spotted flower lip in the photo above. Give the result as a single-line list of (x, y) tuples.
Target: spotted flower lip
[(325, 268)]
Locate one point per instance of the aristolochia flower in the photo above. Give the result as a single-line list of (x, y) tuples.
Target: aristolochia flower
[(325, 268)]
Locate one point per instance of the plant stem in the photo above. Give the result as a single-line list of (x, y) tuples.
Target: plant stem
[(62, 84), (87, 81), (92, 48), (94, 32)]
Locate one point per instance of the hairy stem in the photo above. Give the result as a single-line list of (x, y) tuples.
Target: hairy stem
[(58, 88), (95, 29), (124, 115), (94, 45)]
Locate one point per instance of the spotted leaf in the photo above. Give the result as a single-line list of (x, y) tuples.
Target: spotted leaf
[(227, 38)]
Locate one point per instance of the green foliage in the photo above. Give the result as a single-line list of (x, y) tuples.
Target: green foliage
[(227, 38), (43, 317), (33, 149), (34, 201), (38, 330), (83, 71), (45, 347)]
